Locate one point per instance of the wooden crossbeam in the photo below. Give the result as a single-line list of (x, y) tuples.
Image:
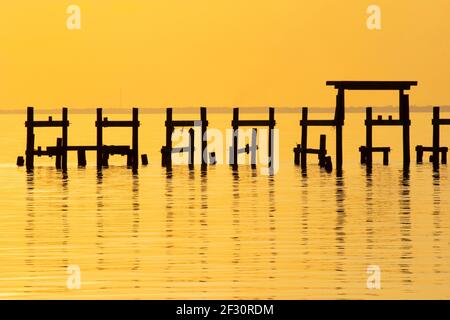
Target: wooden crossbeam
[(386, 122), (46, 124), (253, 123)]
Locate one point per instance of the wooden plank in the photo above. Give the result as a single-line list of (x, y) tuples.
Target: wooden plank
[(386, 122), (442, 122), (372, 85), (118, 124), (255, 123), (99, 126), (318, 123), (46, 124)]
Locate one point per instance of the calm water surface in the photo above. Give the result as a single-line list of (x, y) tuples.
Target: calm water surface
[(222, 235)]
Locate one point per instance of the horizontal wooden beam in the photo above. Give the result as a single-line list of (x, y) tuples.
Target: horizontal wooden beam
[(318, 123), (386, 122), (255, 123), (109, 123), (372, 85), (184, 123), (431, 149), (46, 123), (441, 121), (375, 149)]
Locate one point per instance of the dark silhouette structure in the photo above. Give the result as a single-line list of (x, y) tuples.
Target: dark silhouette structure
[(234, 150), (436, 149), (301, 150), (403, 121), (61, 148), (168, 150)]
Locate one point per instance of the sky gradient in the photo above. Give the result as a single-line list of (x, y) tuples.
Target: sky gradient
[(180, 53)]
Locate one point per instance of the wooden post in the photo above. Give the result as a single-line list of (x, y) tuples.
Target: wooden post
[(444, 156), (322, 151), (234, 155), (144, 159), (204, 140), (167, 153), (362, 151), (436, 136), (369, 144), (58, 162), (304, 144), (99, 138), (254, 148), (29, 153), (135, 136), (297, 155), (339, 118), (191, 148), (65, 124), (271, 139), (419, 152), (386, 157), (404, 107), (81, 153)]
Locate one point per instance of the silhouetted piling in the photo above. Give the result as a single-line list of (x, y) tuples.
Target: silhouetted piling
[(81, 155), (20, 161), (304, 143), (191, 148), (144, 159), (99, 124), (322, 150), (29, 153), (234, 153), (367, 153), (436, 136)]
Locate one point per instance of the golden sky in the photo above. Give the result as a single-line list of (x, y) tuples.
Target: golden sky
[(156, 53)]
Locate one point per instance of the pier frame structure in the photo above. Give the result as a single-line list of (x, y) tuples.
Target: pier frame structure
[(235, 151), (403, 120), (61, 149), (168, 150), (436, 149)]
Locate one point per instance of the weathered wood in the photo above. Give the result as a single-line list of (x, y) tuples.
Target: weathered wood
[(64, 139), (368, 150), (404, 100), (81, 154), (204, 141), (234, 152), (271, 140), (29, 153), (322, 150), (372, 85), (135, 140), (20, 161), (297, 154), (58, 160), (304, 143), (47, 124), (436, 136), (99, 125), (144, 159), (318, 123), (167, 152), (191, 148)]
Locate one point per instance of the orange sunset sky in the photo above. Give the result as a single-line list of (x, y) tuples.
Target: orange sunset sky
[(156, 53)]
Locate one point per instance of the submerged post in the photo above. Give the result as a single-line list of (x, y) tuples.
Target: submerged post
[(167, 152), (58, 162), (436, 137), (204, 149), (135, 137), (99, 124), (29, 153), (81, 153), (404, 107), (339, 118), (304, 144), (271, 139), (65, 124), (369, 142), (191, 148), (254, 148), (322, 150), (235, 138)]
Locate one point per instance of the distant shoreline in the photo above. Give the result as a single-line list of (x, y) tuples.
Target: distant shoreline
[(222, 110)]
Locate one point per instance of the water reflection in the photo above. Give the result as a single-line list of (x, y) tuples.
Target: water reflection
[(236, 236), (405, 230), (437, 225), (340, 235)]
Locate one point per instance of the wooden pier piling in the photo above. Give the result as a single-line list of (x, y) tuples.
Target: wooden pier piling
[(304, 143), (436, 136), (191, 148), (29, 153), (99, 124)]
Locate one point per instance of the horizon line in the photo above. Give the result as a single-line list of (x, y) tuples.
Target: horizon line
[(188, 110)]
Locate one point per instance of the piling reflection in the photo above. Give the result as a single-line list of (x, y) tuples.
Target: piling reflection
[(340, 235), (236, 236), (405, 230)]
